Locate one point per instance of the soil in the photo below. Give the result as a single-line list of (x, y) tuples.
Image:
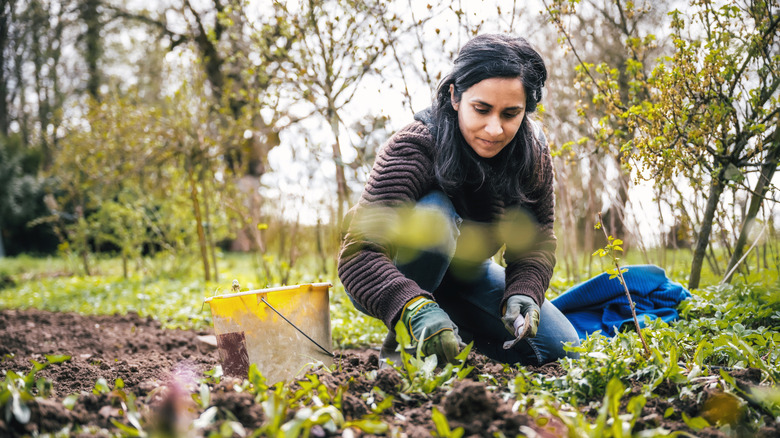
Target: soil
[(159, 368)]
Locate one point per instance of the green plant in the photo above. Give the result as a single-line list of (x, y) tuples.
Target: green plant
[(443, 427), (17, 390), (419, 373), (612, 247)]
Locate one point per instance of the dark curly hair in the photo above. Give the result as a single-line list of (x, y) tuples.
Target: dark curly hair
[(515, 172)]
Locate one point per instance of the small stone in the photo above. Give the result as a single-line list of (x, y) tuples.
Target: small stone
[(208, 341)]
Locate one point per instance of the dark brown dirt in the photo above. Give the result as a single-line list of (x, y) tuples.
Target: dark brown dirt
[(160, 369)]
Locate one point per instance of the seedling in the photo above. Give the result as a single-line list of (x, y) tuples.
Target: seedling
[(443, 427), (613, 246), (419, 373), (17, 390)]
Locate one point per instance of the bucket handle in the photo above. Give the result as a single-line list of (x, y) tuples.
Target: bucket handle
[(296, 328)]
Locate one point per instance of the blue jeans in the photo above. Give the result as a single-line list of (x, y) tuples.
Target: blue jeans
[(473, 301)]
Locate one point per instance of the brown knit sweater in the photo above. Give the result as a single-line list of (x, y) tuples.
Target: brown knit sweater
[(402, 174)]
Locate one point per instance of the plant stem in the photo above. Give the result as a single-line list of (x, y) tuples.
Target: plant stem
[(628, 294)]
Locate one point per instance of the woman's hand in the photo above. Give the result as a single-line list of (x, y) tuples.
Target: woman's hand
[(429, 324), (521, 306)]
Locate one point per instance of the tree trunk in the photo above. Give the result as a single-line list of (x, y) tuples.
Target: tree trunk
[(320, 250), (204, 254), (662, 244), (341, 180), (5, 21), (92, 45), (762, 186), (210, 231), (590, 237), (570, 244), (703, 238)]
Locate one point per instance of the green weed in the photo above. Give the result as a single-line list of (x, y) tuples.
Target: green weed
[(18, 390), (419, 373)]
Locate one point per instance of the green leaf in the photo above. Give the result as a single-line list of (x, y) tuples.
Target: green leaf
[(695, 423), (70, 401), (374, 427), (206, 418), (37, 366), (384, 405), (404, 340), (464, 354), (101, 387), (668, 412), (127, 429), (703, 351), (57, 358), (429, 364), (465, 371), (440, 422)]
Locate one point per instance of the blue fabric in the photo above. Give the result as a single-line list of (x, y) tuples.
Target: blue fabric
[(601, 303)]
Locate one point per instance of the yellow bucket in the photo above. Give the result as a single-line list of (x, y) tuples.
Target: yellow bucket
[(284, 330)]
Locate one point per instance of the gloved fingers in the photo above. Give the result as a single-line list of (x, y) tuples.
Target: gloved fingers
[(532, 320), (520, 326), (461, 344), (512, 312), (444, 345), (449, 347), (509, 322)]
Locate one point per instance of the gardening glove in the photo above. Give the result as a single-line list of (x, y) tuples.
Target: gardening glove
[(429, 324), (521, 318)]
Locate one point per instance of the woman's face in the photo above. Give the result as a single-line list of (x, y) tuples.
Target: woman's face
[(490, 113)]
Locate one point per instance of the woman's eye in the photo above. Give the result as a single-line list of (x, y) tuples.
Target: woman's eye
[(510, 115), (481, 110)]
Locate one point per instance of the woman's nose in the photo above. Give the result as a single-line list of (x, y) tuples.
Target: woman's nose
[(494, 127)]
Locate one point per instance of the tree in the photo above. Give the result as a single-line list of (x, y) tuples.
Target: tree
[(601, 35), (705, 111), (757, 197), (93, 47), (6, 51), (339, 43)]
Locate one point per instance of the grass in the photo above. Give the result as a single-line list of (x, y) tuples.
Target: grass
[(175, 298), (722, 327)]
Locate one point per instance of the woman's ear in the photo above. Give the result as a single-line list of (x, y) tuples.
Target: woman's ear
[(455, 104)]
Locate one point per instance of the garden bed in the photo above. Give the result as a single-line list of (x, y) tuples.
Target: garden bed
[(126, 374)]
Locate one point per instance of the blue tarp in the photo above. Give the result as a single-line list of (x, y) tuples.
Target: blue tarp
[(601, 303)]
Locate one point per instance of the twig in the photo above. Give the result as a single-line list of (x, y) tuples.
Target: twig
[(625, 287), (736, 265)]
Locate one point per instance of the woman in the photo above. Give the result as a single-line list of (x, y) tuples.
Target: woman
[(470, 175)]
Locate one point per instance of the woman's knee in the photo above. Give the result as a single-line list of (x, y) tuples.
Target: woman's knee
[(557, 333)]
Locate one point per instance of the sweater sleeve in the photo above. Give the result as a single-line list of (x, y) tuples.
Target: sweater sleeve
[(531, 257), (402, 174)]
